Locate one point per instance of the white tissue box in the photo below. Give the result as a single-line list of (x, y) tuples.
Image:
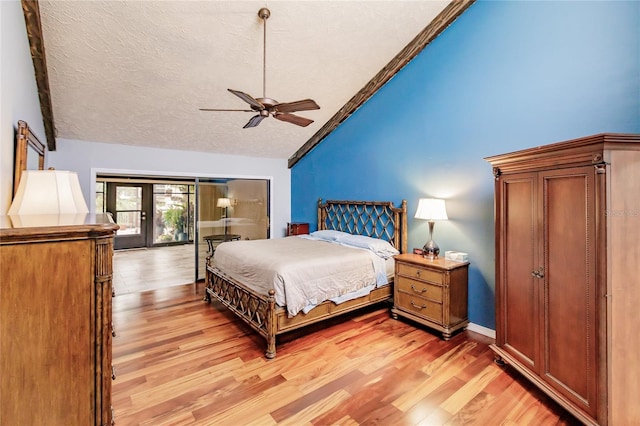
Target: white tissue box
[(456, 256)]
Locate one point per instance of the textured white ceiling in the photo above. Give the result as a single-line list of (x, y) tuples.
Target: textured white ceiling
[(136, 72)]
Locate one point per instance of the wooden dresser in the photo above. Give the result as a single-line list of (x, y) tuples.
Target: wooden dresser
[(431, 292), (567, 268), (55, 320)]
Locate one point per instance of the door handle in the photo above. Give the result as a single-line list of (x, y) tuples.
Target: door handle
[(539, 273)]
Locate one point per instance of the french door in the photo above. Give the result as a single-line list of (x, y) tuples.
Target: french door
[(131, 206)]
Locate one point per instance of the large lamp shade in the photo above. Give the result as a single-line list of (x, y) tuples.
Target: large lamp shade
[(431, 209), (43, 192)]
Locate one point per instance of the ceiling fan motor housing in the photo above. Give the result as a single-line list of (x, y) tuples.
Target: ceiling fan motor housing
[(268, 103)]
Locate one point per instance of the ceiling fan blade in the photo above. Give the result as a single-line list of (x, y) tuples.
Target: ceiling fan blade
[(248, 99), (218, 109), (304, 105), (255, 120), (294, 119)]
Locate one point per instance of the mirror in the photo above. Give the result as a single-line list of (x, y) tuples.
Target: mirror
[(29, 153)]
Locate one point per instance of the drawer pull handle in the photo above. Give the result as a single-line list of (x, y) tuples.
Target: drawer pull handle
[(418, 306), (417, 273), (113, 373), (424, 290)]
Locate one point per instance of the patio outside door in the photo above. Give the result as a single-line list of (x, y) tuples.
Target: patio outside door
[(130, 205)]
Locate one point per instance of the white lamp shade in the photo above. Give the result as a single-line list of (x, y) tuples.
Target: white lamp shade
[(431, 209), (43, 192), (224, 202)]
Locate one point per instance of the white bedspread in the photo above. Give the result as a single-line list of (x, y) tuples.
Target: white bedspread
[(303, 272)]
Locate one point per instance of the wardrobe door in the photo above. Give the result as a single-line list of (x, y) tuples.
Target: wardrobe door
[(517, 290), (569, 280)]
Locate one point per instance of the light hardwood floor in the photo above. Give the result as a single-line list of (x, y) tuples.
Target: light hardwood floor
[(181, 361), (145, 269)]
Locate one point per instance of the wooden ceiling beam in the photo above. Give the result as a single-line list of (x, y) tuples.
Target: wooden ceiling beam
[(31, 12)]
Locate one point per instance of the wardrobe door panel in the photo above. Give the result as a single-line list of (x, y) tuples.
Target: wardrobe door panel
[(569, 284), (518, 289)]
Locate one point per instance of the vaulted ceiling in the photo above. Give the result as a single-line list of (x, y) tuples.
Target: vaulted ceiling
[(137, 72)]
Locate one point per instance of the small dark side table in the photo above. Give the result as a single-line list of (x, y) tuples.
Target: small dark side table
[(214, 240)]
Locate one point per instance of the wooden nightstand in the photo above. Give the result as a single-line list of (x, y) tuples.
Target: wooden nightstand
[(431, 292), (297, 228)]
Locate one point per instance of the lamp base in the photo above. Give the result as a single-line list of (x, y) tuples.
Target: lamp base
[(431, 250)]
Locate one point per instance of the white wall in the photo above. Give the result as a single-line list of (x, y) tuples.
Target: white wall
[(91, 158), (19, 99)]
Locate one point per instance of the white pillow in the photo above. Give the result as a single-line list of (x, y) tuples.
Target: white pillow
[(380, 247), (328, 235)]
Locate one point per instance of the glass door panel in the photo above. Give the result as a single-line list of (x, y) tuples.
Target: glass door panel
[(208, 220), (173, 218), (127, 204), (229, 210)]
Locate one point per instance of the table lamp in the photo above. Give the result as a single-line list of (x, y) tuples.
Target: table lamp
[(224, 203), (431, 209)]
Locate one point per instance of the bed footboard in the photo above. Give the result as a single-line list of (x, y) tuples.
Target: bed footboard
[(256, 310)]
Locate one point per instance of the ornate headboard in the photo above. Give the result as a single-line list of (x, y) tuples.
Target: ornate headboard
[(378, 219)]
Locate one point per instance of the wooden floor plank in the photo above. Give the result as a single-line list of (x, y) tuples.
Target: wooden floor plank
[(473, 387), (318, 407), (319, 394), (428, 405), (438, 372)]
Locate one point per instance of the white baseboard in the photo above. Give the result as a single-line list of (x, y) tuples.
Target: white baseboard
[(481, 330)]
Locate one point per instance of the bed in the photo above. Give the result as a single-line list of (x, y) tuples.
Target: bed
[(380, 220)]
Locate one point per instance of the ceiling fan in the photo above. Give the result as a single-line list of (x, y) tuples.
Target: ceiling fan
[(266, 106)]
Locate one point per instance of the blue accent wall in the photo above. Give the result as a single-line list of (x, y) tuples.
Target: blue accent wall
[(507, 75)]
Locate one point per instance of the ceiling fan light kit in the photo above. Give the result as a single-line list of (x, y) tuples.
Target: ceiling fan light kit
[(266, 106)]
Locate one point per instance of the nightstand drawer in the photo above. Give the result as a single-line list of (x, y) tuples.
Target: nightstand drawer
[(419, 306), (419, 273), (420, 288)]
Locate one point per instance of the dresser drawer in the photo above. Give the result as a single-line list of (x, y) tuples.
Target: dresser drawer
[(420, 288), (420, 306), (412, 271)]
